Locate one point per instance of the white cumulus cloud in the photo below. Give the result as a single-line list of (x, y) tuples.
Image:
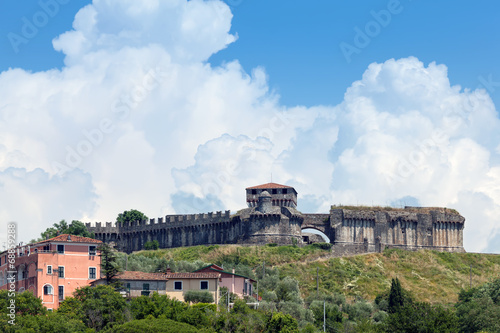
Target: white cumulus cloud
[(137, 118)]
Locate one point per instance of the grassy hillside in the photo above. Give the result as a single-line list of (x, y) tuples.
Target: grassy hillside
[(429, 275)]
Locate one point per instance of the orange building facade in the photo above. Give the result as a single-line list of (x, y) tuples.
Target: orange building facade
[(51, 269)]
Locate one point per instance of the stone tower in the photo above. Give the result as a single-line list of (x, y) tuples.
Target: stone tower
[(264, 205), (281, 195)]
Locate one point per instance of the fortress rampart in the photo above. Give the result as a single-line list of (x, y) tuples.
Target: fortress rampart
[(351, 230)]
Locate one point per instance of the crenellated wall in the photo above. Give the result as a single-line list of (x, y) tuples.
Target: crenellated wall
[(351, 231), (170, 231)]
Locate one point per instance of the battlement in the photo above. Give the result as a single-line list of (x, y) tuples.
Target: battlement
[(162, 222), (272, 217)]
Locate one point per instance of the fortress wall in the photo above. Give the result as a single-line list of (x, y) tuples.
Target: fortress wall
[(351, 231), (169, 231), (409, 229)]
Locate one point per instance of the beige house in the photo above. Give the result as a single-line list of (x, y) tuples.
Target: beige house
[(179, 283), (172, 284)]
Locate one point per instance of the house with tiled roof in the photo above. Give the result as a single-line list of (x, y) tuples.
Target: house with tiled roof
[(51, 269), (240, 285), (179, 283), (172, 284), (139, 283)]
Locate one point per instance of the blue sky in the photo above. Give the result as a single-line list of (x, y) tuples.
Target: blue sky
[(186, 103), (298, 42)]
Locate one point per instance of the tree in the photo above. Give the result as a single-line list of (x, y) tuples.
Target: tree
[(281, 322), (397, 298), (156, 306), (109, 265), (101, 306), (478, 309), (422, 317), (26, 303), (153, 326), (198, 296), (331, 312), (76, 228), (132, 215)]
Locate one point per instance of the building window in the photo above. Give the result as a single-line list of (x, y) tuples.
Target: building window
[(49, 269), (285, 191), (254, 192), (128, 286), (177, 285), (60, 248), (46, 248), (274, 191), (47, 289), (145, 289), (92, 251), (204, 285), (92, 273), (61, 271), (61, 293)]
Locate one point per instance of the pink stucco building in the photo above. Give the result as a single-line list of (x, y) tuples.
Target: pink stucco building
[(237, 284), (51, 269)]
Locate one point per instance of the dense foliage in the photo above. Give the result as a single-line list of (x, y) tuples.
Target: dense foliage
[(283, 306), (132, 215), (198, 296), (109, 265), (76, 228)]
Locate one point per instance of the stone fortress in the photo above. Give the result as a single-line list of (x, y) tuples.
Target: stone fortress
[(272, 217)]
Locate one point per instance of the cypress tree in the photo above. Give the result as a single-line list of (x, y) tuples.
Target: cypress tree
[(396, 299)]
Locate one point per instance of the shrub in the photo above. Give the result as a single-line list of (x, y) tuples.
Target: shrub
[(151, 245), (198, 296), (153, 326), (281, 322), (322, 246)]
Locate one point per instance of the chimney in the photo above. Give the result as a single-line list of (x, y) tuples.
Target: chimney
[(69, 237), (169, 270)]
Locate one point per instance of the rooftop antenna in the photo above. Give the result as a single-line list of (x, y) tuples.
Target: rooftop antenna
[(271, 177)]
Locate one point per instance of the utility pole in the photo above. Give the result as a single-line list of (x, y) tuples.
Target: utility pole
[(324, 316), (317, 281), (470, 275), (228, 300), (257, 292)]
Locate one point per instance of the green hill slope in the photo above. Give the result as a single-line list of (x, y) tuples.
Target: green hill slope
[(429, 275)]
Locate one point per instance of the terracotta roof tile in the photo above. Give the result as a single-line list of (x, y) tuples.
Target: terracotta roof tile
[(73, 239), (219, 269), (266, 186), (200, 275), (141, 276)]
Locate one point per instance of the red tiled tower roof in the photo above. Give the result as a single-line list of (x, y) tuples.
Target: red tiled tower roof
[(266, 186)]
